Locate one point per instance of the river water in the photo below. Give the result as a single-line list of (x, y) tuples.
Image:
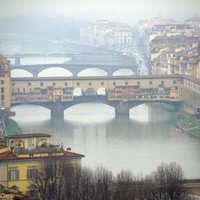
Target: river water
[(138, 143)]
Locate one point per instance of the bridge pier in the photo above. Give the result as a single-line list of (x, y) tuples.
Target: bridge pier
[(122, 108), (17, 61), (57, 110)]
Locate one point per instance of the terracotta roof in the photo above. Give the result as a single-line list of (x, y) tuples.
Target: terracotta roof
[(9, 155), (191, 78), (193, 18), (2, 146), (183, 61), (31, 135)]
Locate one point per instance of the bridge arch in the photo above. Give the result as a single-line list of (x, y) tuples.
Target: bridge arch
[(102, 91), (78, 92), (54, 72), (124, 72), (92, 72), (21, 73)]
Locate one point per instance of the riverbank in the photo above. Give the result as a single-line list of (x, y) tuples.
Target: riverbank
[(188, 123), (183, 121), (12, 127)]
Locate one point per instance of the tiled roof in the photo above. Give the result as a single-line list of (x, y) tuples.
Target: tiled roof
[(31, 135), (7, 156), (2, 146), (183, 61), (193, 18), (192, 78)]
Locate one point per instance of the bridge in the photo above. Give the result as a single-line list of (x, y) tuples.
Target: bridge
[(75, 68), (120, 92)]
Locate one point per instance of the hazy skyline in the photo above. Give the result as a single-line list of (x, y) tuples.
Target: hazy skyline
[(127, 10)]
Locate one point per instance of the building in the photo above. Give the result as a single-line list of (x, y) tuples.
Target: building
[(21, 155), (107, 34), (5, 81), (13, 193)]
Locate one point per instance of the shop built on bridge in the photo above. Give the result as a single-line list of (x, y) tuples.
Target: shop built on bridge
[(120, 92)]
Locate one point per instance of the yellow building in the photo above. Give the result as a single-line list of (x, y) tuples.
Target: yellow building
[(24, 153), (193, 67), (174, 63), (5, 81)]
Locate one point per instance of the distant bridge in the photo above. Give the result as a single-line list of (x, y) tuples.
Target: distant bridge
[(75, 68)]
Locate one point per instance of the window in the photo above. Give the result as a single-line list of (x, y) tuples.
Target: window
[(126, 83), (174, 82), (150, 82), (2, 81), (13, 84), (102, 83), (2, 90), (29, 84), (162, 82), (13, 174), (30, 155), (24, 89), (2, 97), (41, 84), (114, 83), (54, 84), (66, 84), (90, 83), (138, 83), (78, 83), (32, 172)]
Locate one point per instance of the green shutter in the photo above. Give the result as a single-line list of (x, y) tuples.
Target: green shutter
[(9, 175), (17, 174)]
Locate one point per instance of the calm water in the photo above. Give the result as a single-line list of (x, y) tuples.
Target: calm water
[(138, 143)]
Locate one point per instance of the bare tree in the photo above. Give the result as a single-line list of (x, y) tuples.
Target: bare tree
[(168, 179), (52, 178), (124, 188), (103, 178)]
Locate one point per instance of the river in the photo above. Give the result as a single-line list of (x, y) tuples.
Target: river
[(138, 143)]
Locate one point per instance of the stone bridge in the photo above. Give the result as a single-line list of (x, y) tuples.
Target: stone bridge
[(120, 92), (75, 68)]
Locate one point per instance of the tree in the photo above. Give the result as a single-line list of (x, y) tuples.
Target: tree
[(53, 175), (124, 189), (168, 180)]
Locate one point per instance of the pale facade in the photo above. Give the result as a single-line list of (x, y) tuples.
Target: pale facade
[(5, 87), (19, 161), (107, 34)]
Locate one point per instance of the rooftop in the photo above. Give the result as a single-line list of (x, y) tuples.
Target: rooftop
[(31, 135)]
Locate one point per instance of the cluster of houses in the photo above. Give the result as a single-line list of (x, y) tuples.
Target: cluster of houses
[(20, 157), (171, 47), (104, 33)]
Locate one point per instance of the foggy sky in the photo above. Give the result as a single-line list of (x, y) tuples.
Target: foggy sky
[(131, 10)]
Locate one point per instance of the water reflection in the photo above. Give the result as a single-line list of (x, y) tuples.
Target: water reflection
[(139, 142)]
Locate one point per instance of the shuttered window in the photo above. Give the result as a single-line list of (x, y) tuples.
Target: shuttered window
[(32, 173), (13, 174)]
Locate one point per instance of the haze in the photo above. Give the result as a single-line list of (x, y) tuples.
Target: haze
[(129, 11)]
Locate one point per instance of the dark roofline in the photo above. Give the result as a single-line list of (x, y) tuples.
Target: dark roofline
[(192, 78), (27, 135), (42, 158)]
